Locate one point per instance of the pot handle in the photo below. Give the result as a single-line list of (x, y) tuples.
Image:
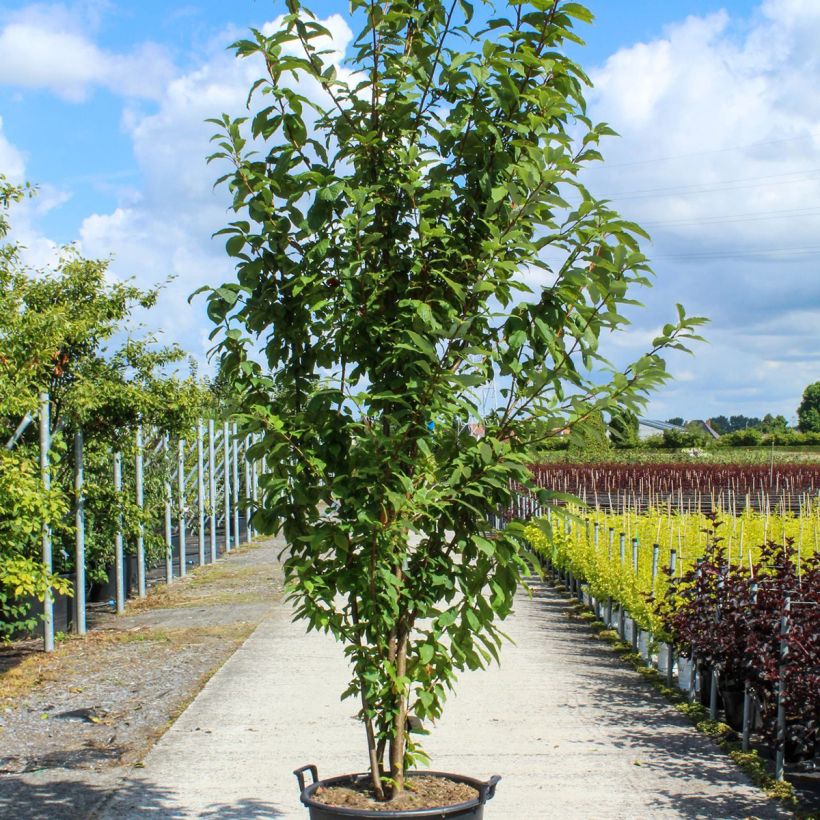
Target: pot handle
[(300, 775), (486, 791)]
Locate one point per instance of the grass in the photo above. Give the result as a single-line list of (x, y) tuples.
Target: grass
[(726, 738)]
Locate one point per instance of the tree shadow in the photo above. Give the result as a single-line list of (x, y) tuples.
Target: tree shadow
[(63, 798), (643, 722)]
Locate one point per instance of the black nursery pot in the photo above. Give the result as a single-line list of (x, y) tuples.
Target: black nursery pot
[(471, 810)]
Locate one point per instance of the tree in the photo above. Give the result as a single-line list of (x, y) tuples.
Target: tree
[(624, 428), (676, 420), (773, 424), (381, 245), (56, 335), (808, 413)]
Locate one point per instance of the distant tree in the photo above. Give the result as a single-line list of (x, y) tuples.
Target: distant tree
[(773, 424), (623, 428), (743, 423), (588, 439), (808, 413), (721, 425), (676, 420)]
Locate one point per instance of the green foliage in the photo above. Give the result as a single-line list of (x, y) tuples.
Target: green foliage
[(383, 246), (742, 438), (589, 440), (55, 329), (623, 428), (808, 413)]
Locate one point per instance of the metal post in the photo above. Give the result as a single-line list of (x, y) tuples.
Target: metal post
[(713, 694), (622, 545), (635, 554), (781, 705), (140, 498), (235, 485), (673, 560), (181, 506), (169, 544), (119, 558), (79, 537), (247, 465), (226, 482), (45, 473), (200, 490), (655, 552), (747, 715), (212, 487)]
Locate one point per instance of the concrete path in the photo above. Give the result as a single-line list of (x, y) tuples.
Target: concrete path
[(573, 732)]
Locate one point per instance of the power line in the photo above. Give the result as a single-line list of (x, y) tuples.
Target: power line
[(734, 254), (753, 216), (706, 151), (724, 185)]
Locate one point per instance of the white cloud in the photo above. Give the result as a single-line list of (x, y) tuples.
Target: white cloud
[(166, 232), (12, 164), (49, 51), (719, 157)]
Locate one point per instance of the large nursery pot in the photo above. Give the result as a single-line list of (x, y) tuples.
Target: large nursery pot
[(471, 810)]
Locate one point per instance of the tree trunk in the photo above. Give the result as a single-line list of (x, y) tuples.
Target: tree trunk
[(398, 741)]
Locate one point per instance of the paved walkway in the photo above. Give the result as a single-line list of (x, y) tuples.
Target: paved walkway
[(573, 732)]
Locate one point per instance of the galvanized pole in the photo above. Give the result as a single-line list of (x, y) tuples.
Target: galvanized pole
[(747, 694), (247, 463), (200, 491), (45, 472), (226, 482), (235, 485), (169, 544), (212, 488), (780, 758), (119, 559), (79, 536), (140, 498), (181, 505), (670, 647)]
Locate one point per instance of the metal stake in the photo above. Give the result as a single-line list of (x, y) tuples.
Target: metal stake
[(226, 482), (169, 544), (79, 538), (200, 491), (119, 559), (235, 485), (45, 473), (140, 498), (212, 488), (181, 506)]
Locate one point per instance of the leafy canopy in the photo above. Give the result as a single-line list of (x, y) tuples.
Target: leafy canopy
[(412, 230)]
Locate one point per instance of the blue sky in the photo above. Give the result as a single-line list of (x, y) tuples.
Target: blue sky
[(102, 105)]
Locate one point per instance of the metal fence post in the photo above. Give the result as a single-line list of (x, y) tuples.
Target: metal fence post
[(235, 485), (212, 488), (119, 560), (140, 499), (181, 506), (247, 465), (45, 473), (169, 544), (780, 759), (226, 482), (200, 491), (79, 537)]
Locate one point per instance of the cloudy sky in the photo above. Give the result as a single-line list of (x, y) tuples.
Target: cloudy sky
[(103, 102)]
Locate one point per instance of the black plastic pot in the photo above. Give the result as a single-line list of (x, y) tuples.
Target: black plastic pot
[(731, 694), (471, 810)]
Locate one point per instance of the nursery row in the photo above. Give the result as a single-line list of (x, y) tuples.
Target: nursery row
[(746, 619), (86, 519), (700, 487)]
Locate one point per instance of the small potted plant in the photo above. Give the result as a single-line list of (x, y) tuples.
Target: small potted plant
[(428, 305)]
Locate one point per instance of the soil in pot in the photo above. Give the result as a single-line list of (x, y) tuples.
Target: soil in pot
[(420, 793)]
